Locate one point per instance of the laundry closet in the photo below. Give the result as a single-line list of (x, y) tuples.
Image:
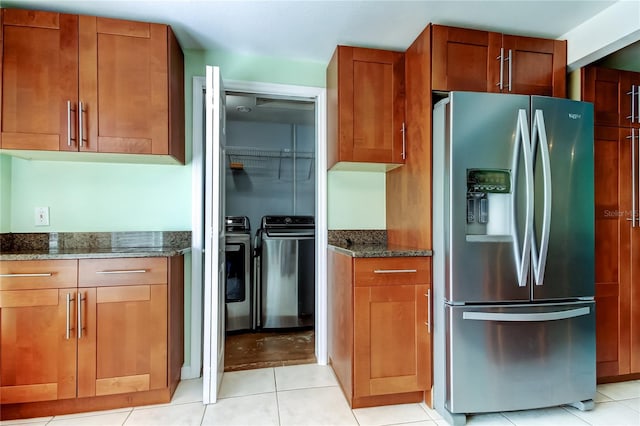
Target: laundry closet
[(270, 193)]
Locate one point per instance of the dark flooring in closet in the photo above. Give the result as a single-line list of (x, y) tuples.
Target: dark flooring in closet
[(247, 351)]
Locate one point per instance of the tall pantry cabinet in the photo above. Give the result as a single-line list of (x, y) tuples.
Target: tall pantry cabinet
[(616, 98)]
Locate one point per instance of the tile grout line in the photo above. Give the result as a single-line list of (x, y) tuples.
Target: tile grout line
[(507, 418), (128, 415), (275, 385), (204, 413)]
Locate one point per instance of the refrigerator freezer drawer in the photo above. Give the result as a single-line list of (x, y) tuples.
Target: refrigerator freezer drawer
[(503, 358)]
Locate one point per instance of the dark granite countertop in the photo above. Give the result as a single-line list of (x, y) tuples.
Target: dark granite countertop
[(369, 243), (98, 253), (378, 250), (83, 245)]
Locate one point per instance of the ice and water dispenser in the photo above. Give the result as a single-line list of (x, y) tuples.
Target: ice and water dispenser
[(488, 204)]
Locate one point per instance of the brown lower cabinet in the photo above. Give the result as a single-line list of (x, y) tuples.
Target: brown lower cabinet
[(379, 333), (89, 334)]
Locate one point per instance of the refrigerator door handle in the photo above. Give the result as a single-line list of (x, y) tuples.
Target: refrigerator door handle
[(523, 142), (539, 316), (539, 259)]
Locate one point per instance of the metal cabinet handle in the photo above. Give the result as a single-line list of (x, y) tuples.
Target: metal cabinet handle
[(123, 271), (633, 177), (638, 98), (81, 124), (69, 300), (80, 326), (45, 274), (501, 59), (632, 93), (395, 271), (404, 142), (510, 59), (68, 123), (428, 294)]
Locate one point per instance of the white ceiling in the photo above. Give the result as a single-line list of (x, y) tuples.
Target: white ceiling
[(309, 30)]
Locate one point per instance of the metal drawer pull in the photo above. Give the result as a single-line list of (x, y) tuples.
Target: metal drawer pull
[(123, 271), (395, 271), (45, 274)]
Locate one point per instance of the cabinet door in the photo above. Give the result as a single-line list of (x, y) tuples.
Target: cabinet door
[(39, 80), (124, 343), (371, 105), (534, 66), (634, 260), (629, 95), (123, 86), (37, 345), (459, 59), (601, 86), (612, 200), (391, 340)]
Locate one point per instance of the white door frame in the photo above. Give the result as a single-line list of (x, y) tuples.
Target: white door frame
[(319, 94)]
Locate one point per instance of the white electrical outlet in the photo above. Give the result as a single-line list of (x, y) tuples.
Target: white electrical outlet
[(42, 216)]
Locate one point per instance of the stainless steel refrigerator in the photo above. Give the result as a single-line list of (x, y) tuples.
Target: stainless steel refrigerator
[(513, 228)]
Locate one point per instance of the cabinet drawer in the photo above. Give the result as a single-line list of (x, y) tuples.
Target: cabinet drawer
[(392, 270), (122, 271), (38, 274)]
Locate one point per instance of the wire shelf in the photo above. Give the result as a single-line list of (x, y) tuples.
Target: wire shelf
[(284, 164)]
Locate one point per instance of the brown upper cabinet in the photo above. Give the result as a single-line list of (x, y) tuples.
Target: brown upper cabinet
[(615, 95), (482, 61), (84, 83), (365, 109)]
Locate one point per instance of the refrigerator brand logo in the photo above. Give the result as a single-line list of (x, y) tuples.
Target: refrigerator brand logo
[(575, 116)]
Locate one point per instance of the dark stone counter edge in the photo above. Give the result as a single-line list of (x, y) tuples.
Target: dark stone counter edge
[(374, 250), (96, 254)]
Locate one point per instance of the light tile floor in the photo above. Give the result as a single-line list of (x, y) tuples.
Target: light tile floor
[(309, 395)]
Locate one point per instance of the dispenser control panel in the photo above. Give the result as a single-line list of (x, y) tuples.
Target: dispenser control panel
[(489, 181), (488, 195)]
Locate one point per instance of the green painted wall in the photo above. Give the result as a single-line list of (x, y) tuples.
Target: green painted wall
[(5, 193), (100, 197), (356, 200)]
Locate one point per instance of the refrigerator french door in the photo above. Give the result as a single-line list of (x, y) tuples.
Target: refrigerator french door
[(513, 252)]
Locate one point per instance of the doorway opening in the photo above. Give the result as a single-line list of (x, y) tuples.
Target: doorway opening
[(206, 336), (270, 184)]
